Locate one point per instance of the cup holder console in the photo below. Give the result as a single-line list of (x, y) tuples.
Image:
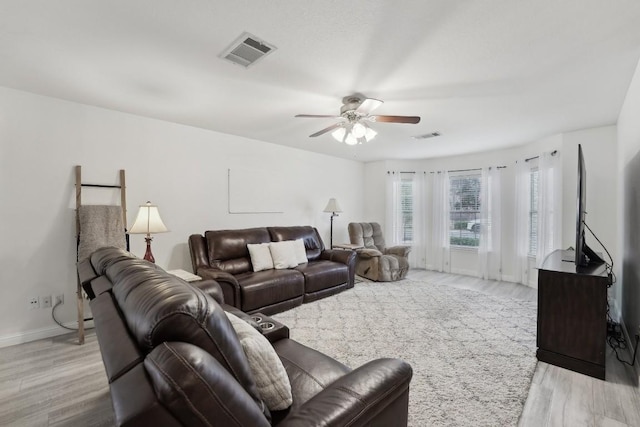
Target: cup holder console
[(271, 329), (266, 326), (264, 323)]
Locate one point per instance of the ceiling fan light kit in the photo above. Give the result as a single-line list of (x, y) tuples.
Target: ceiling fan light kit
[(357, 133), (353, 128)]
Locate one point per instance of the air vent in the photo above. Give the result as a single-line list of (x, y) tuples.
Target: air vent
[(247, 50), (426, 135)]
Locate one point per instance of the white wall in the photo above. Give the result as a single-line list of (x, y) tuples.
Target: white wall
[(599, 146), (600, 151), (627, 291), (181, 169)]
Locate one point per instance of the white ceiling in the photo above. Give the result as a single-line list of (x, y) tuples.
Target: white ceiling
[(487, 74)]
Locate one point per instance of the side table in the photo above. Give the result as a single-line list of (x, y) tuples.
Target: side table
[(185, 275)]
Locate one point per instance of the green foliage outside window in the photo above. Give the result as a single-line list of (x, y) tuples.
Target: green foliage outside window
[(464, 208), (464, 241)]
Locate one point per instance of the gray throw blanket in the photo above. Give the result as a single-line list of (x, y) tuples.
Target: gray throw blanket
[(100, 225)]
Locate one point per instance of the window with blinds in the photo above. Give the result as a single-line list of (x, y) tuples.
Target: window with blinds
[(404, 214), (464, 210), (533, 212)]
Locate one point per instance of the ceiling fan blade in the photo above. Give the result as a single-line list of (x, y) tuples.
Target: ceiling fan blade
[(396, 119), (313, 116), (368, 105), (325, 130)]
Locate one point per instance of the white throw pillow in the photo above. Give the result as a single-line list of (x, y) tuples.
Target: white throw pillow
[(260, 256), (268, 372), (283, 254), (300, 251)]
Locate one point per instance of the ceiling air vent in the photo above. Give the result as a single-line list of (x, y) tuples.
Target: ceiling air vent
[(246, 50), (426, 135)]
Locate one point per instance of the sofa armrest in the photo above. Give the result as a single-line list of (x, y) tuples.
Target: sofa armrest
[(338, 255), (347, 258), (402, 251), (211, 288), (198, 251), (368, 253), (359, 397), (242, 315), (228, 284)]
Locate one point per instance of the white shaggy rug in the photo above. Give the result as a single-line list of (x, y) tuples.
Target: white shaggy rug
[(473, 355)]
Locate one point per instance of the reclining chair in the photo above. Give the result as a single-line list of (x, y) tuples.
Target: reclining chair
[(377, 262)]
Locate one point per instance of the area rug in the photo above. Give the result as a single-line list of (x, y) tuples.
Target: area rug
[(473, 355)]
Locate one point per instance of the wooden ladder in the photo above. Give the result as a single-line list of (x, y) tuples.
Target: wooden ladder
[(123, 202)]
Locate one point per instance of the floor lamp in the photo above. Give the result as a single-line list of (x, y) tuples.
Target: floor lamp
[(148, 222), (333, 208)]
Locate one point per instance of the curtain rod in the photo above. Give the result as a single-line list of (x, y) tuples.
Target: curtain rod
[(475, 169), (553, 153), (454, 170)]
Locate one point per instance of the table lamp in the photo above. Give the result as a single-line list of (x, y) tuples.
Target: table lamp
[(148, 222)]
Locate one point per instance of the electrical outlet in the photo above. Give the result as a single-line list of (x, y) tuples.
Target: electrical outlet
[(34, 303), (46, 301), (59, 299)]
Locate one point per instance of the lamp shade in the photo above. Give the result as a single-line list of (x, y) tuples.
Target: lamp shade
[(148, 221), (333, 206)]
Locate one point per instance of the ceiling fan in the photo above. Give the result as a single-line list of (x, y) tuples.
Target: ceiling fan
[(355, 115)]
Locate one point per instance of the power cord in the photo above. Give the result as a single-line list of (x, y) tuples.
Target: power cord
[(609, 267), (617, 342), (53, 316), (615, 338)]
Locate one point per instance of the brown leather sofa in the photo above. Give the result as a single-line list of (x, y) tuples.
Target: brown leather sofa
[(172, 358), (222, 255)]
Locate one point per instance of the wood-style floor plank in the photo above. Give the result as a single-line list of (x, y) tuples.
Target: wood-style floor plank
[(55, 382)]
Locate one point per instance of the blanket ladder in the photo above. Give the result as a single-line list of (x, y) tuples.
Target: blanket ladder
[(123, 202)]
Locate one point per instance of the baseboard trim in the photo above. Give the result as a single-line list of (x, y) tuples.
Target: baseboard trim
[(463, 272), (38, 334), (510, 279)]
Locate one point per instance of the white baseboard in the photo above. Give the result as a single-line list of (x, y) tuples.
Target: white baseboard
[(464, 272), (511, 279), (38, 334)]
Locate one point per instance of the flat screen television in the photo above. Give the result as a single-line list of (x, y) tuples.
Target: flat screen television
[(584, 255)]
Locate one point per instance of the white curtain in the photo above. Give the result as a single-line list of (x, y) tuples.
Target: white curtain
[(549, 205), (489, 248), (439, 244), (393, 226), (418, 254), (523, 200)]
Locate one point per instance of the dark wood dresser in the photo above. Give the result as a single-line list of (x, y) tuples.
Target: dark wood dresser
[(572, 314)]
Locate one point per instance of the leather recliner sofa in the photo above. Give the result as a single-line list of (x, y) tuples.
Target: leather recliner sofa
[(222, 255), (172, 358)]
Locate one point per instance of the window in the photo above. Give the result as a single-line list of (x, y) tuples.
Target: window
[(464, 210), (533, 212), (405, 209)]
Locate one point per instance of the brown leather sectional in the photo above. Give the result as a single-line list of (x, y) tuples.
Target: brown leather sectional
[(172, 358), (222, 255)]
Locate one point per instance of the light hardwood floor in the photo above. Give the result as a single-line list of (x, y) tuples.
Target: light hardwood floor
[(55, 382)]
